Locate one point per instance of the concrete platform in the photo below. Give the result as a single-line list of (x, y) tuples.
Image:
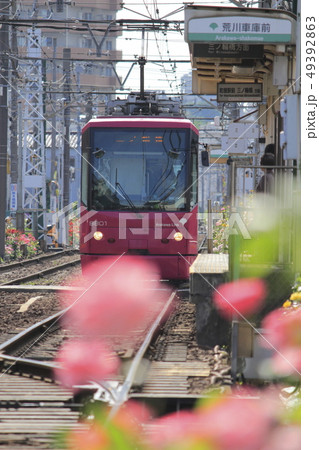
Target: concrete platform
[(206, 273), (208, 263)]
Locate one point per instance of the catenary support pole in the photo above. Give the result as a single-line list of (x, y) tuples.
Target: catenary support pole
[(66, 145), (4, 50)]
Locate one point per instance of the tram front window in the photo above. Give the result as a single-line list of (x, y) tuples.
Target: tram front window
[(140, 168)]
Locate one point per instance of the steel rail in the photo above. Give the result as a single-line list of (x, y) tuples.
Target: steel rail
[(37, 331), (42, 326), (37, 259), (41, 274), (121, 394)]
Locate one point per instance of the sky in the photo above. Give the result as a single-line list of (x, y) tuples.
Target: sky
[(156, 45)]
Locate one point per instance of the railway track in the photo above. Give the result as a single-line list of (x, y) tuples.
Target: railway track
[(6, 267), (33, 406), (43, 273), (10, 274), (164, 364)]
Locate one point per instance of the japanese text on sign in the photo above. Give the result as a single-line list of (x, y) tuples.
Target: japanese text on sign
[(236, 92)]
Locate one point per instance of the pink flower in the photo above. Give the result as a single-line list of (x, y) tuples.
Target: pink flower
[(225, 423), (287, 362), (284, 438), (283, 327), (234, 423), (171, 429), (80, 362), (124, 431), (8, 249), (240, 297), (92, 437), (282, 332), (117, 299), (131, 416)]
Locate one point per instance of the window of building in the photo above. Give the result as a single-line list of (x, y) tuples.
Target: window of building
[(87, 43), (108, 72), (87, 16), (88, 69), (21, 40)]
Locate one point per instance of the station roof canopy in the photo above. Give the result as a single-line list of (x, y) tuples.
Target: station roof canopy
[(235, 45)]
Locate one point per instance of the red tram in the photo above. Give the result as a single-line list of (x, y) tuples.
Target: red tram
[(139, 185)]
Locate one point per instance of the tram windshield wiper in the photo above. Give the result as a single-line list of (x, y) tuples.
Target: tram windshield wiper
[(127, 198)]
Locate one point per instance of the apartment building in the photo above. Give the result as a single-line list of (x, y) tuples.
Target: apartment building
[(63, 55), (89, 34)]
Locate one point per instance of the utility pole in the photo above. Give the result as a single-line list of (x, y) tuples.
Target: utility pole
[(53, 165), (33, 163), (4, 49), (15, 150), (54, 121), (66, 144)]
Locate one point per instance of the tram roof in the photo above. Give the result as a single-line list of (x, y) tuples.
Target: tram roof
[(139, 122)]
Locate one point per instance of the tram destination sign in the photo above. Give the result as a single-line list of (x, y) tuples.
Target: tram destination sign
[(225, 50), (239, 92)]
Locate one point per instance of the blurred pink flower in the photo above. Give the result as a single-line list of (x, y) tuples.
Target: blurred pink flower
[(283, 327), (234, 423), (282, 331), (287, 362), (92, 437), (80, 362), (284, 438), (118, 298), (243, 297), (131, 416), (123, 431), (172, 429), (242, 421)]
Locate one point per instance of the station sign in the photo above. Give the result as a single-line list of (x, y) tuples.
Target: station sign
[(239, 92), (235, 146), (251, 26), (242, 160), (225, 50), (248, 130), (13, 197)]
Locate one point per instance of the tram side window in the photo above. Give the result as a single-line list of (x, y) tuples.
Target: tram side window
[(85, 177), (194, 173)]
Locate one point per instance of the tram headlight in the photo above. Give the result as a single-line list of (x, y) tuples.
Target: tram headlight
[(98, 235), (178, 236)]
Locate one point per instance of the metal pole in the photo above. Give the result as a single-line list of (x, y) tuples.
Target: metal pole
[(233, 185), (20, 212), (13, 101), (54, 122), (209, 227), (66, 145), (4, 49), (142, 62)]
